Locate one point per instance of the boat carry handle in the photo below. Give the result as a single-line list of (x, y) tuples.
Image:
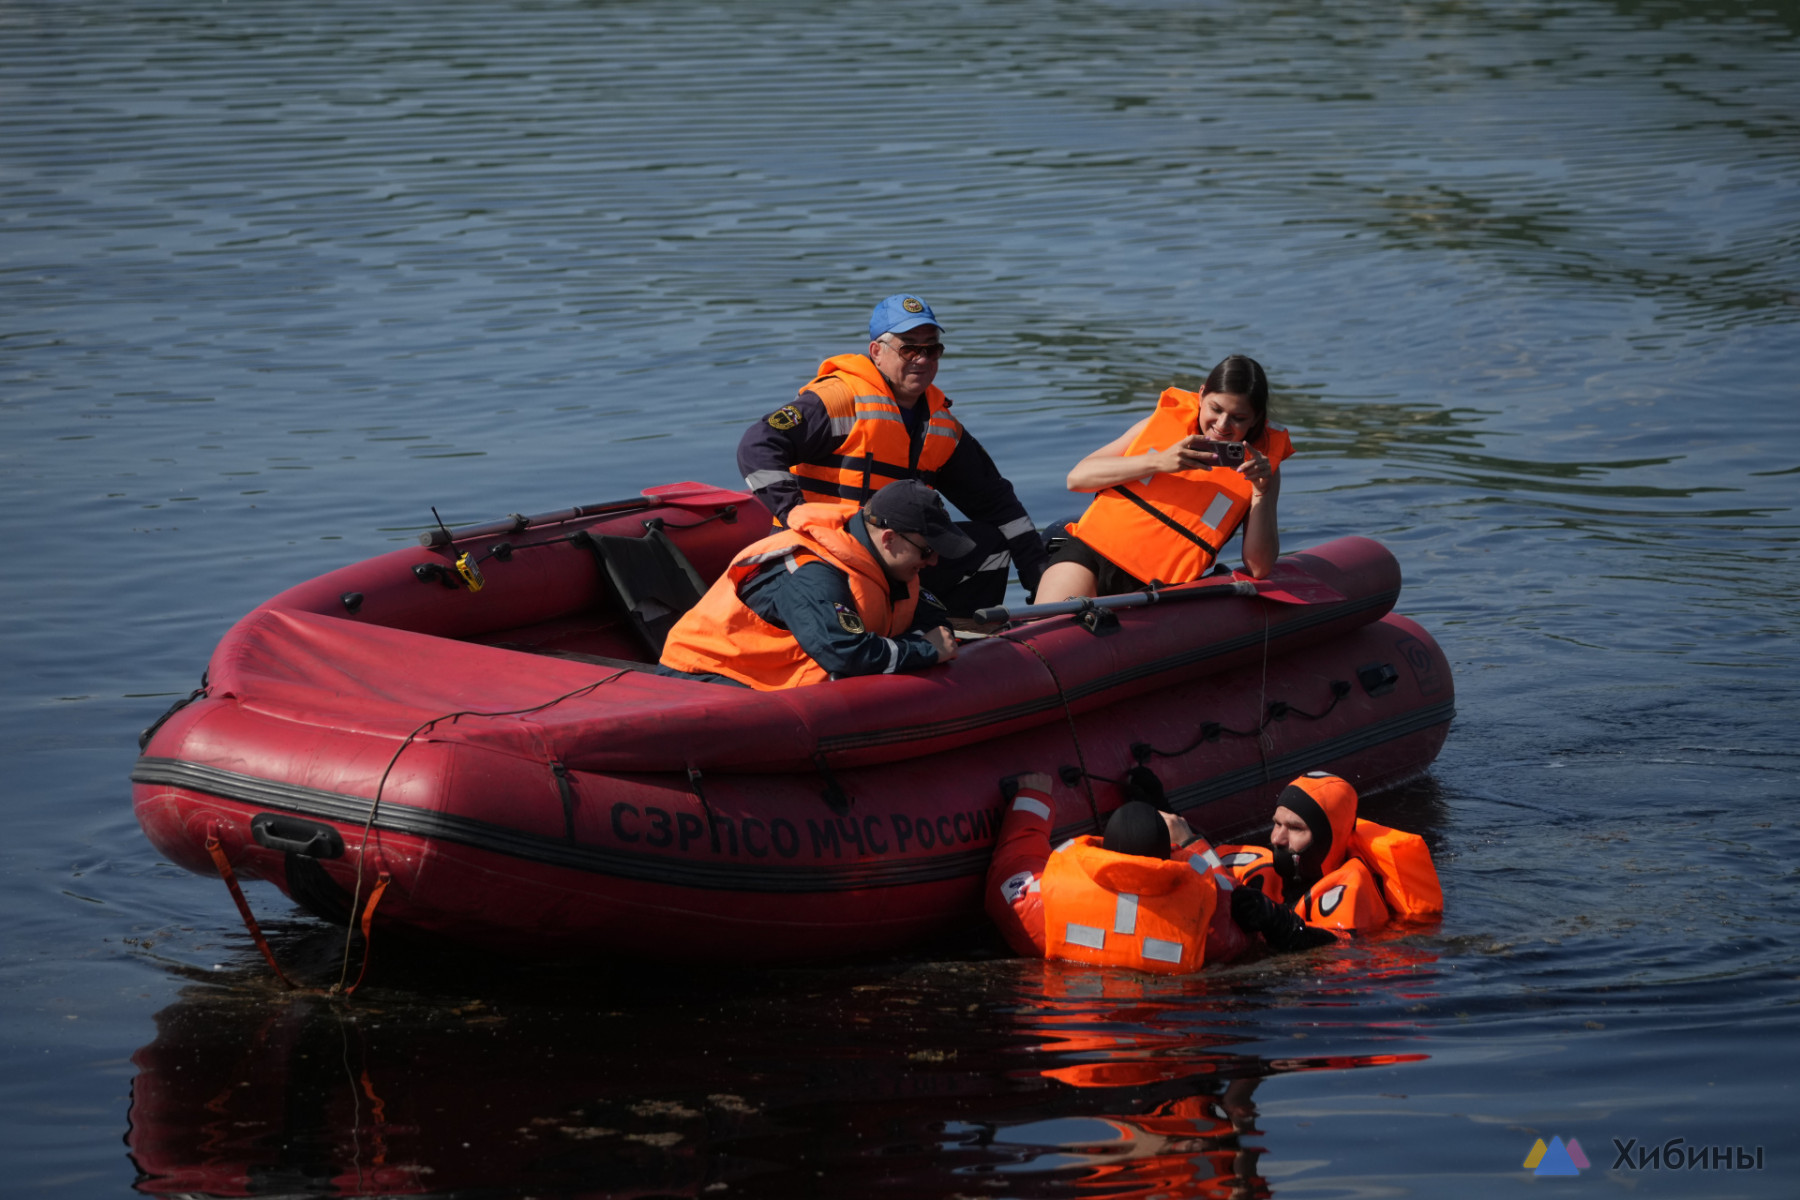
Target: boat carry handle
[(295, 835)]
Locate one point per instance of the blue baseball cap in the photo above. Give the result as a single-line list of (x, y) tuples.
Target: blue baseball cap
[(899, 313)]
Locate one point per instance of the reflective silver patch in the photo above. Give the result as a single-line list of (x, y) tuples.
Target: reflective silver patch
[(1085, 935), (1125, 914), (1162, 951)]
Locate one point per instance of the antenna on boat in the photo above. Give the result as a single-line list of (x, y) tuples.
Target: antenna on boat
[(465, 565)]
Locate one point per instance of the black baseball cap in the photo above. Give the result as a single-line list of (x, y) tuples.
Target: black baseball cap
[(910, 507)]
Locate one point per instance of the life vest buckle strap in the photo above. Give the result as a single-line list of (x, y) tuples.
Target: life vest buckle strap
[(1125, 492)]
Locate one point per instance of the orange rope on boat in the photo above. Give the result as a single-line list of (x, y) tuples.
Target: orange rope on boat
[(368, 919), (237, 893)]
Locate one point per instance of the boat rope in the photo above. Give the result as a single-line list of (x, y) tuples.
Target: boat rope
[(1069, 714), (1262, 698), (699, 790), (1211, 731), (243, 906), (375, 806)]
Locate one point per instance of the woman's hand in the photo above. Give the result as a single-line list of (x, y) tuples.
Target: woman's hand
[(1182, 456), (1257, 469)]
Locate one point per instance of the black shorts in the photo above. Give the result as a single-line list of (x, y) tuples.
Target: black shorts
[(1110, 580)]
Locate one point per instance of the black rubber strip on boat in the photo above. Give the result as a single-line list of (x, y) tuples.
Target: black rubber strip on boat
[(722, 876)]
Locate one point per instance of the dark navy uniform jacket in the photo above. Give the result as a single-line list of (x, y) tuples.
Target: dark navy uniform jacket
[(815, 604)]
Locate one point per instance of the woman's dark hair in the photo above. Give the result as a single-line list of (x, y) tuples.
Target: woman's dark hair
[(1242, 376)]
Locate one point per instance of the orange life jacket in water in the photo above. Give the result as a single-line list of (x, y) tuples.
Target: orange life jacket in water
[(1170, 527), (1387, 874), (1124, 910)]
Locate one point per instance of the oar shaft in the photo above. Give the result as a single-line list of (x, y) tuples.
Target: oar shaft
[(1128, 600)]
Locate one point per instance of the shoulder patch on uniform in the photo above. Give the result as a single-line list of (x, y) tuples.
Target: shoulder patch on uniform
[(784, 418), (848, 619), (926, 597)]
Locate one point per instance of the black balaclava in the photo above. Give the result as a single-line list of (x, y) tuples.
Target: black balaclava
[(1305, 868)]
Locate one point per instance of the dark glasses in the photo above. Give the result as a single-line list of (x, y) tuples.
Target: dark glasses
[(929, 351)]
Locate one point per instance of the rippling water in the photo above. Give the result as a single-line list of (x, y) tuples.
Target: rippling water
[(277, 278)]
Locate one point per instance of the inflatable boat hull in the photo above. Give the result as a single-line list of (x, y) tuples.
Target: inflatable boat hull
[(524, 789)]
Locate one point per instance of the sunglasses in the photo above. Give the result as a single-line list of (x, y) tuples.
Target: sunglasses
[(929, 351), (925, 552)]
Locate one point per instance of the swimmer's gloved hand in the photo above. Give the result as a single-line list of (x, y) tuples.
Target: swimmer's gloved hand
[(1280, 927)]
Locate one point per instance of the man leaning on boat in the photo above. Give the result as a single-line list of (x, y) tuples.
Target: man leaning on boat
[(835, 594), (866, 421)]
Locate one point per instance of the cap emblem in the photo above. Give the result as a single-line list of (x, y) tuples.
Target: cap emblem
[(912, 305)]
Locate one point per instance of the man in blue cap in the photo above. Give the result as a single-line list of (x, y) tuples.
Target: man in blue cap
[(866, 421)]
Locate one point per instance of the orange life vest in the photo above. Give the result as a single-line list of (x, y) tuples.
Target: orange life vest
[(1386, 874), (723, 635), (1348, 900), (1170, 527), (1122, 910), (875, 450)]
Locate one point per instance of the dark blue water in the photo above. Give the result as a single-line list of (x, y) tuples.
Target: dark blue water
[(276, 278)]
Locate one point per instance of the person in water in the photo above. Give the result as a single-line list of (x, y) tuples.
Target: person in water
[(867, 420), (1142, 895), (1328, 874), (1165, 503), (834, 594), (1151, 895)]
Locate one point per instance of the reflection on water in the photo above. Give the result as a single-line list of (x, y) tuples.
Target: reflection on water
[(1025, 1077), (276, 278)]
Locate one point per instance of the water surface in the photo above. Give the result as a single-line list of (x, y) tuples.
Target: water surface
[(275, 279)]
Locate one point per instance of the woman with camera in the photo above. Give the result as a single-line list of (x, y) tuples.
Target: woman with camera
[(1174, 488)]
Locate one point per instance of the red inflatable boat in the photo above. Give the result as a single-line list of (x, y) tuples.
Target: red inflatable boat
[(467, 721)]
